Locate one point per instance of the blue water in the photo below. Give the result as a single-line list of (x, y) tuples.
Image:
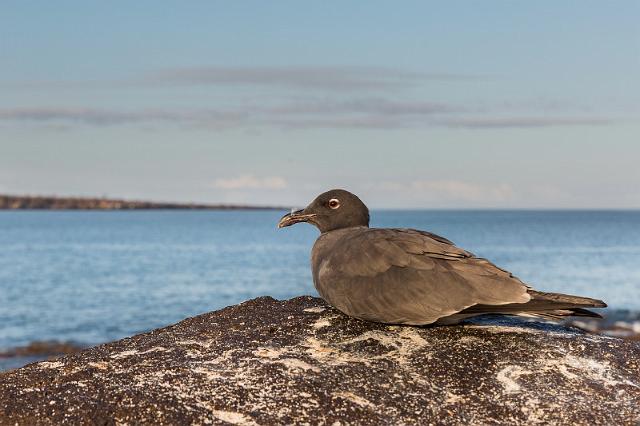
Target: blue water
[(91, 277)]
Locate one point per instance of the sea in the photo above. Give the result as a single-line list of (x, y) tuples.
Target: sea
[(89, 277)]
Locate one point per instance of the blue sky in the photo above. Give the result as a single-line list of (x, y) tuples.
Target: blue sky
[(503, 104)]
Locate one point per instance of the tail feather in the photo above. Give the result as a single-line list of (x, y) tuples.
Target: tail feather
[(563, 313), (567, 299), (546, 305)]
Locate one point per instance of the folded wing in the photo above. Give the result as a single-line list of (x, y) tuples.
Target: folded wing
[(406, 276)]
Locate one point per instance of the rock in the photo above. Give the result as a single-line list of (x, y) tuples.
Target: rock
[(299, 361), (35, 351), (42, 348)]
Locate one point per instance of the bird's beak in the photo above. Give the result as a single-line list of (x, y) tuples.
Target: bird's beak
[(295, 217)]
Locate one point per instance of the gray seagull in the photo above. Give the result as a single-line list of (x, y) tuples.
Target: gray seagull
[(406, 276)]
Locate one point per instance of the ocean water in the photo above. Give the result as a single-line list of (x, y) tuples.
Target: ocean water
[(96, 276)]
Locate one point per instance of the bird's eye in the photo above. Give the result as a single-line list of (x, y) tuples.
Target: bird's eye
[(334, 203)]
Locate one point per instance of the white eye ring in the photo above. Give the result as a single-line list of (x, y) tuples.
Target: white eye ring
[(334, 203)]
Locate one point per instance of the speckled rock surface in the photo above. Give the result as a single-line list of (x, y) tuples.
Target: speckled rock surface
[(299, 361)]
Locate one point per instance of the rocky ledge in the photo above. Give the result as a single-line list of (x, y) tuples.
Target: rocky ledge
[(299, 361)]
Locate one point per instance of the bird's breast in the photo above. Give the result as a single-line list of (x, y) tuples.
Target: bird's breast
[(322, 264)]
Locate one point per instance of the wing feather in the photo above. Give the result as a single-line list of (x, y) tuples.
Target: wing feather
[(409, 277)]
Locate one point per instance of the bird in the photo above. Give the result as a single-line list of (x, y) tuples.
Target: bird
[(412, 277)]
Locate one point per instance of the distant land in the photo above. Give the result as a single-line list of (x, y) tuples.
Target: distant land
[(14, 202)]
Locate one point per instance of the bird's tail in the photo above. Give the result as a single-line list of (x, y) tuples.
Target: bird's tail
[(545, 305), (564, 305)]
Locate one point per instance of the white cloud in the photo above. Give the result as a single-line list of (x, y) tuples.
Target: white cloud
[(250, 182)]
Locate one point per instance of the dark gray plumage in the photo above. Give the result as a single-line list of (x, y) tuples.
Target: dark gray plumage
[(406, 276)]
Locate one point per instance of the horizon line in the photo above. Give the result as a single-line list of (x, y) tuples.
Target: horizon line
[(190, 204)]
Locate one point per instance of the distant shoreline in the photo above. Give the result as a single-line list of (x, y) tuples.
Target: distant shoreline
[(17, 202)]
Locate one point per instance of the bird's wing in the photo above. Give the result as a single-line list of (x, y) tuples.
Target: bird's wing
[(410, 277)]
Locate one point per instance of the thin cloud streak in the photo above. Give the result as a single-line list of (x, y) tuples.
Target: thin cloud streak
[(366, 106), (526, 122), (374, 113), (317, 78), (327, 79), (357, 113), (110, 117)]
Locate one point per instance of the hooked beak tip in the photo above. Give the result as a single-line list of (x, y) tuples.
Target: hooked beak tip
[(293, 218), (283, 222)]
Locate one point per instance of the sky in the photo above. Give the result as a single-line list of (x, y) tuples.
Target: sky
[(414, 104)]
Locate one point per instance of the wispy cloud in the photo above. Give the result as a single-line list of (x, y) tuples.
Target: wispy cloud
[(325, 97), (364, 112), (524, 121), (375, 113), (371, 106), (111, 117), (323, 78), (250, 182)]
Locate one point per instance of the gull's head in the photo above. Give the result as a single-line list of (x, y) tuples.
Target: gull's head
[(335, 209)]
